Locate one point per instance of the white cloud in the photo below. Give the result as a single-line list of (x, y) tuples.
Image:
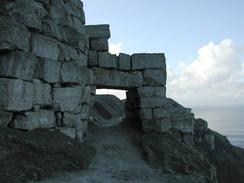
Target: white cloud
[(115, 48), (216, 76)]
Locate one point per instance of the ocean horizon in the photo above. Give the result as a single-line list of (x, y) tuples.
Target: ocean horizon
[(226, 120)]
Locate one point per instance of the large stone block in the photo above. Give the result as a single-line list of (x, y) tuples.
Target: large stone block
[(48, 70), (16, 95), (42, 93), (160, 91), (152, 102), (67, 99), (29, 13), (100, 44), (124, 62), (93, 60), (53, 30), (32, 120), (87, 76), (45, 47), (146, 91), (84, 115), (67, 53), (71, 120), (107, 60), (145, 114), (160, 113), (18, 64), (70, 73), (98, 31), (85, 95), (143, 61), (185, 125), (154, 77), (160, 125), (75, 39), (117, 79), (13, 35), (5, 118)]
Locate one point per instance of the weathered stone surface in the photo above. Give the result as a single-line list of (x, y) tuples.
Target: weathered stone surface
[(210, 139), (107, 60), (18, 64), (160, 91), (32, 120), (75, 8), (145, 91), (185, 124), (83, 126), (142, 61), (75, 39), (67, 99), (5, 118), (117, 79), (71, 120), (93, 60), (13, 35), (100, 44), (154, 77), (70, 132), (145, 114), (124, 62), (45, 47), (160, 113), (87, 76), (86, 95), (53, 30), (159, 125), (42, 93), (84, 115), (16, 95), (175, 107), (29, 12), (98, 31), (48, 70), (152, 102), (70, 72), (67, 53)]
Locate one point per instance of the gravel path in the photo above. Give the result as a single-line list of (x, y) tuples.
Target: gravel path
[(118, 160)]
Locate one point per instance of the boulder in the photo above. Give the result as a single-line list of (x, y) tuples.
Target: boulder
[(142, 61), (16, 95), (18, 64), (13, 35), (44, 47), (32, 120)]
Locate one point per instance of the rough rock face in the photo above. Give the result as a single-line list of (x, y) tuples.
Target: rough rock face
[(38, 154)]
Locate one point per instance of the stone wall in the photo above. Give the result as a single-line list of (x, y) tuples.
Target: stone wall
[(51, 64)]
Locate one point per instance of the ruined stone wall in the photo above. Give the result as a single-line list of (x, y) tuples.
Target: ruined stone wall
[(51, 64)]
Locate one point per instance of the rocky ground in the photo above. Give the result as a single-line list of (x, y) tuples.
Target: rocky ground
[(38, 154)]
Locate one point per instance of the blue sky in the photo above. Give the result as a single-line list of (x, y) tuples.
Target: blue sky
[(180, 29)]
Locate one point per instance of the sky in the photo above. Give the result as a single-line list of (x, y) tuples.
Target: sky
[(203, 41)]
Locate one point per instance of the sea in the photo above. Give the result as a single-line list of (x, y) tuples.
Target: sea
[(227, 120)]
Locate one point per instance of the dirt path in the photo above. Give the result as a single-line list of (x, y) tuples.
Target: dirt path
[(118, 160)]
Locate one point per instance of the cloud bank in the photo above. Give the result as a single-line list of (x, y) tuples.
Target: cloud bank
[(215, 77), (115, 48)]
